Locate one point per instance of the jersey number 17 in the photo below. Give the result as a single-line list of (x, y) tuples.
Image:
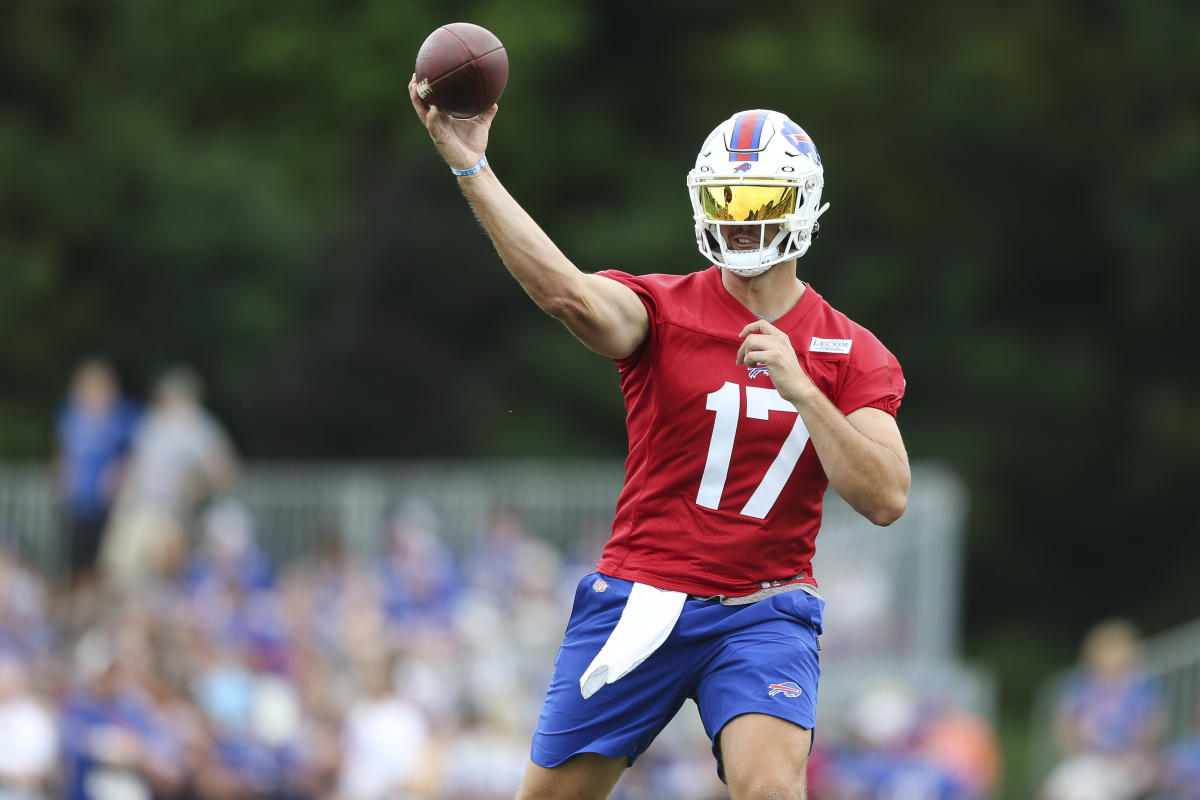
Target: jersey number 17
[(760, 402)]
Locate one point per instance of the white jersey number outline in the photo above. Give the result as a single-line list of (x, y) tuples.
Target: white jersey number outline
[(760, 402)]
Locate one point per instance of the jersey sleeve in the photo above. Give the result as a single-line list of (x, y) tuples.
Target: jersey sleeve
[(873, 378), (647, 291)]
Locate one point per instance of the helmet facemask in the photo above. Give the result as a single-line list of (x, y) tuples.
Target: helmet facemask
[(757, 169)]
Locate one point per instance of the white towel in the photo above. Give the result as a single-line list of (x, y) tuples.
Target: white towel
[(646, 621)]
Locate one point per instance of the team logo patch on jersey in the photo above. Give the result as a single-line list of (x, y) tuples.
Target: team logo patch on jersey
[(599, 585), (786, 688), (758, 369), (819, 345)]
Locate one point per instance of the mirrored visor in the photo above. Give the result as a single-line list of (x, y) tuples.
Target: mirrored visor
[(740, 202)]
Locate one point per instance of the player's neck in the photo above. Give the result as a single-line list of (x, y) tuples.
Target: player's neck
[(770, 295)]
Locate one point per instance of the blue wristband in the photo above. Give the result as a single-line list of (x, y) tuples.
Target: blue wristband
[(460, 172)]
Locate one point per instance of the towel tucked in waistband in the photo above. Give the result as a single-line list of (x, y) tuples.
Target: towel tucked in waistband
[(646, 621)]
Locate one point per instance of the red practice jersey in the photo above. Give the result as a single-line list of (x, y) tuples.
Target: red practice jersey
[(723, 488)]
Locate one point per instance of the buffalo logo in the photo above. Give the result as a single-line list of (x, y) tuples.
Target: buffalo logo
[(801, 141), (759, 369), (742, 167), (787, 689)]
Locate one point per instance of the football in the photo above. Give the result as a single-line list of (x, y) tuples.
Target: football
[(461, 69)]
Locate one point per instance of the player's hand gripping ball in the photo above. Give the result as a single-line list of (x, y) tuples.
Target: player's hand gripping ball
[(461, 69)]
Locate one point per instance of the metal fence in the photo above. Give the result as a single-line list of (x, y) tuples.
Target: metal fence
[(903, 580), (29, 517)]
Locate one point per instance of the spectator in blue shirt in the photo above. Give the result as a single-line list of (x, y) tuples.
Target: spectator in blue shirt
[(104, 728), (95, 428), (1110, 721)]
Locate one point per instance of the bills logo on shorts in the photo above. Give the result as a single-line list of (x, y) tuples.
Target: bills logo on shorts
[(787, 689)]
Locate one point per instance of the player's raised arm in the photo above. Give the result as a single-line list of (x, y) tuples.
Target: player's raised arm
[(605, 315)]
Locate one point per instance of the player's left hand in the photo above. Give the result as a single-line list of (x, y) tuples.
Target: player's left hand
[(763, 343)]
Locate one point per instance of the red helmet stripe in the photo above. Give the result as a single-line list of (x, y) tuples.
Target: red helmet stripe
[(747, 131)]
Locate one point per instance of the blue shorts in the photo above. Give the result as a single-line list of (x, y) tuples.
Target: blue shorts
[(759, 658)]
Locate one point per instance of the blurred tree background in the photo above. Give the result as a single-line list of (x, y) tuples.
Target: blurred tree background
[(241, 185)]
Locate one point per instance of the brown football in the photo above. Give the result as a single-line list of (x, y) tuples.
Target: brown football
[(461, 69)]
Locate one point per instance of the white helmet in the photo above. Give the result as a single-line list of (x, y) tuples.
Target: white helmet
[(757, 168)]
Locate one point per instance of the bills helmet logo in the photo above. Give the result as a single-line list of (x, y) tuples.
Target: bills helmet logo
[(801, 141), (742, 167), (786, 688)]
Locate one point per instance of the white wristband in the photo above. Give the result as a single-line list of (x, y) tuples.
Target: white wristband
[(482, 163)]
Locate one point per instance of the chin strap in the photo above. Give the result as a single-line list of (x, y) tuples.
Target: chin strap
[(749, 272)]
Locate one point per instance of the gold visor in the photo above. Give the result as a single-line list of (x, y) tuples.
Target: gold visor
[(741, 202)]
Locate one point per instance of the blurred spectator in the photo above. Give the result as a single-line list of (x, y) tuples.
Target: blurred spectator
[(877, 759), (388, 751), (105, 729), (964, 745), (25, 626), (254, 728), (28, 735), (1109, 721), (230, 586), (320, 593), (483, 758), (898, 743), (95, 428), (229, 554), (181, 456), (418, 576), (1110, 705), (170, 731), (497, 550)]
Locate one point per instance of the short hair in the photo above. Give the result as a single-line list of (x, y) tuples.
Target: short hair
[(183, 379)]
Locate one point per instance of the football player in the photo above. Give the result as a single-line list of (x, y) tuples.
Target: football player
[(747, 394)]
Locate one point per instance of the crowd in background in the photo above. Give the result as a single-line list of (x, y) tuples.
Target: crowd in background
[(415, 675), (176, 660)]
